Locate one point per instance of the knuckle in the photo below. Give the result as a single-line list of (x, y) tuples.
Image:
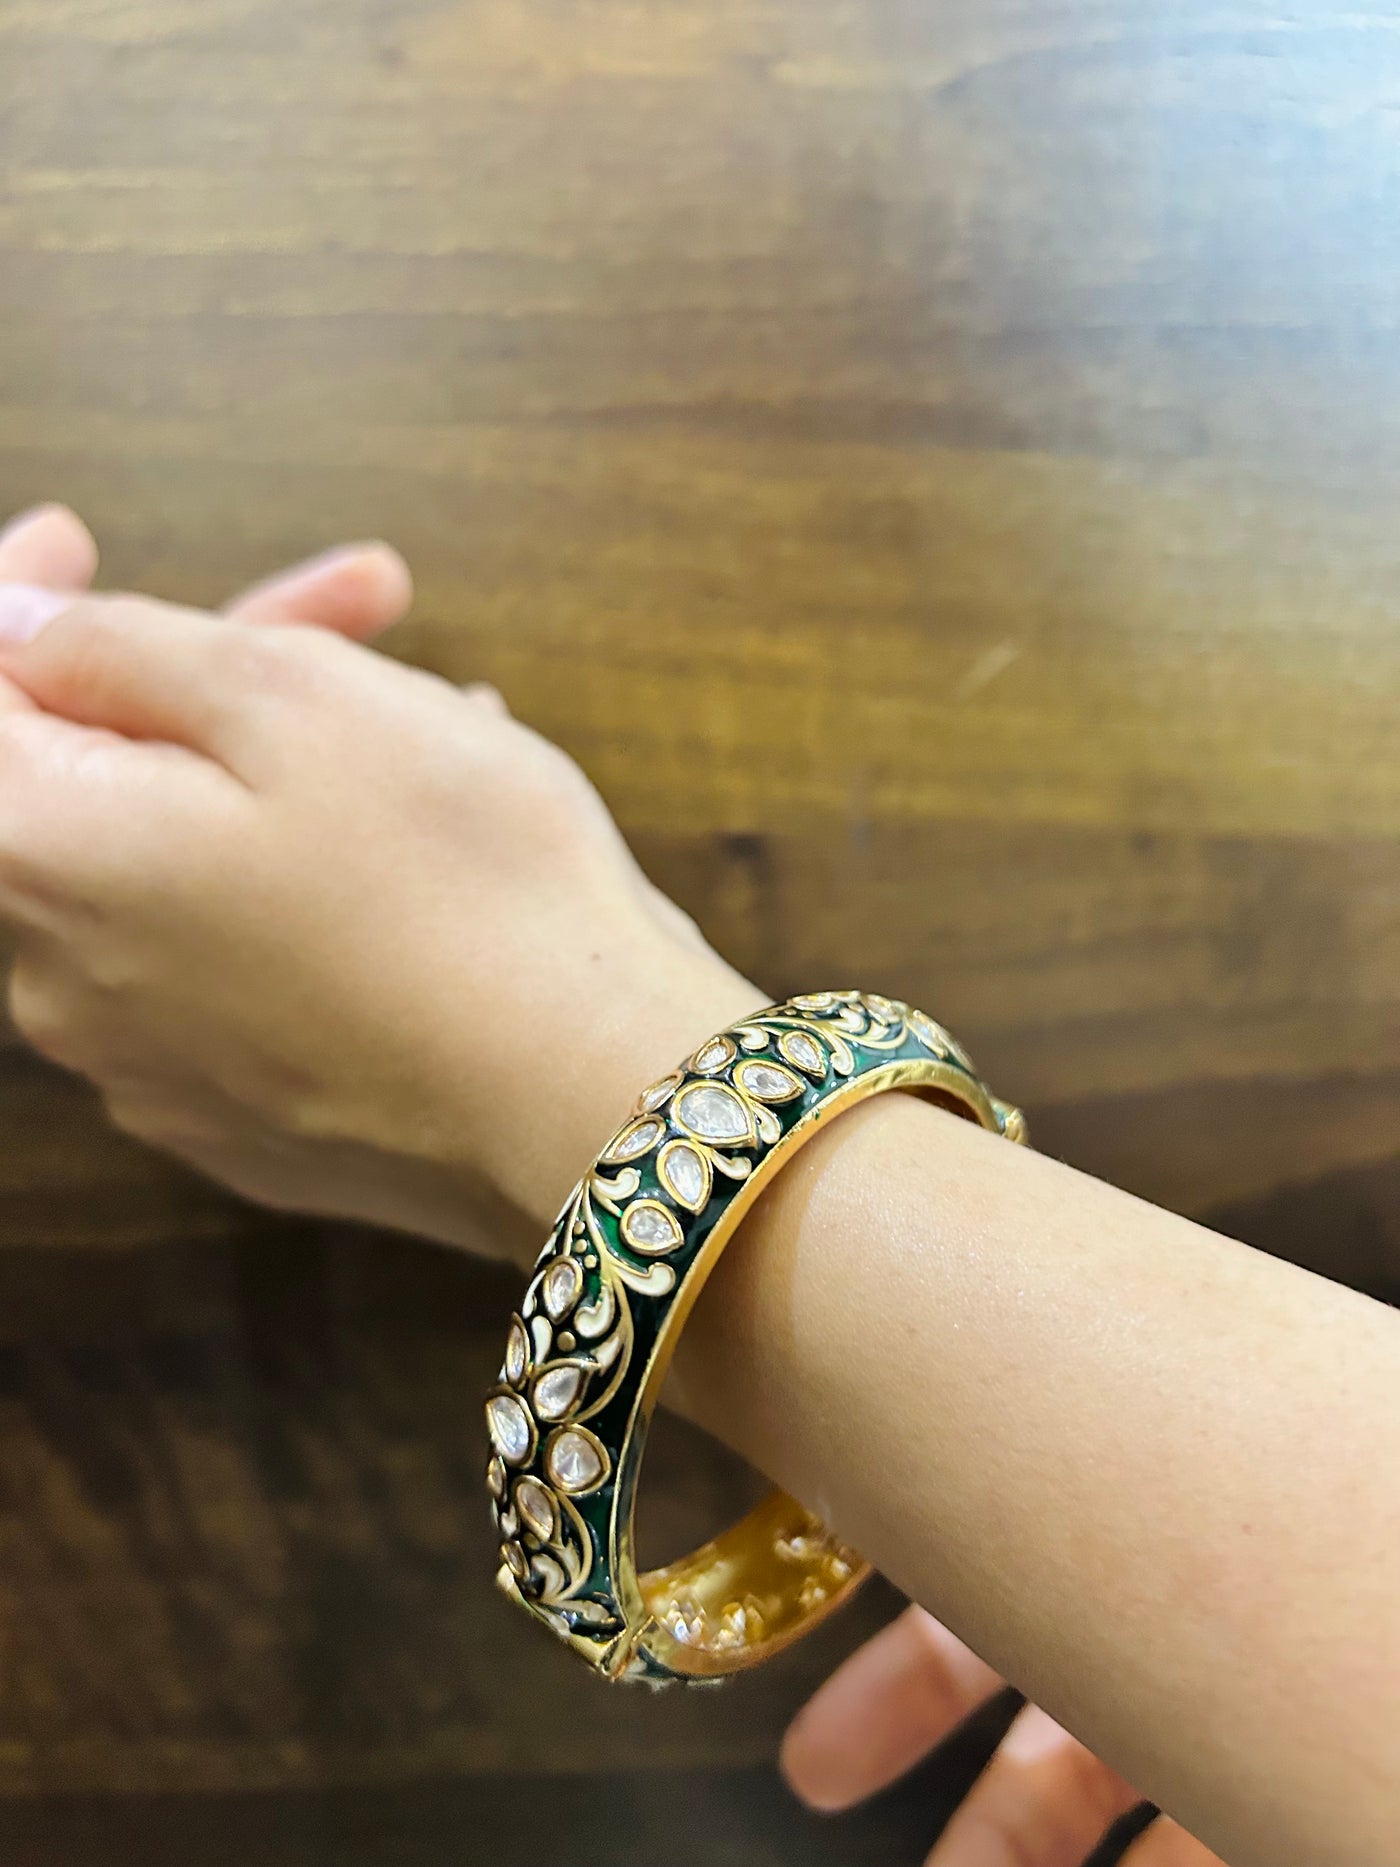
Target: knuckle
[(292, 664)]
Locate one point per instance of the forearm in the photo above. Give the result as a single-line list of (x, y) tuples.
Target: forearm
[(1150, 1474)]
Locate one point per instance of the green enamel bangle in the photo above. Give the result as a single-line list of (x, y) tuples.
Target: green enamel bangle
[(588, 1351)]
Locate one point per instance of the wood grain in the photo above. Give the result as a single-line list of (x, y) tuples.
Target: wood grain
[(937, 467)]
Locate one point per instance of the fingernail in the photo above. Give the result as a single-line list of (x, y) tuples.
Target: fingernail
[(25, 609)]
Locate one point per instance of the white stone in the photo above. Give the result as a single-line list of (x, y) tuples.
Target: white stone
[(804, 1051), (575, 1460), (635, 1140), (563, 1285), (660, 1093), (682, 1172), (770, 1082), (536, 1508), (713, 1056), (648, 1227), (517, 1354), (509, 1426), (685, 1618), (713, 1112), (556, 1390)]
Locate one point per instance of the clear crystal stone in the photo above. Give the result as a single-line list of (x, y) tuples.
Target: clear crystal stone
[(575, 1460), (660, 1093), (509, 1426), (804, 1051), (685, 1618), (713, 1112), (740, 1623), (650, 1228), (536, 1507), (556, 1390), (682, 1173), (563, 1285), (517, 1353), (770, 1082), (635, 1140), (713, 1056), (495, 1477)]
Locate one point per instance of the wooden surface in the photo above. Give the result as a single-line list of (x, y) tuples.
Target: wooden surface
[(938, 466)]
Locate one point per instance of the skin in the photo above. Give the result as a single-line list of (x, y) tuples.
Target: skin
[(1021, 1343)]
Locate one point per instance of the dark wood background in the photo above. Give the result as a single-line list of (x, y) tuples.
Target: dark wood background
[(937, 465)]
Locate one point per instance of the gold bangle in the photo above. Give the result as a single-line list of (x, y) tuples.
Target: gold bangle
[(588, 1352)]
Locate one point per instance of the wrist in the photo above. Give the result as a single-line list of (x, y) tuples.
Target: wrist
[(559, 1080)]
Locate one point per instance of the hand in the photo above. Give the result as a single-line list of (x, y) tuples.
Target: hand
[(379, 998), (1043, 1800)]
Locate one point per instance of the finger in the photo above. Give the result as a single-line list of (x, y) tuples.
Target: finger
[(1166, 1844), (50, 546), (357, 591), (143, 669), (895, 1698), (1042, 1798), (89, 818)]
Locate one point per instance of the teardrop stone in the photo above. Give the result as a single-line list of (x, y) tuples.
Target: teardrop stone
[(509, 1427), (682, 1173), (804, 1051), (770, 1082), (713, 1056), (635, 1140), (714, 1112), (536, 1507), (556, 1390), (563, 1285), (649, 1227), (517, 1353), (575, 1460)]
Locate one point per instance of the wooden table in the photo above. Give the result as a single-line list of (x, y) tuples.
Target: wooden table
[(938, 467)]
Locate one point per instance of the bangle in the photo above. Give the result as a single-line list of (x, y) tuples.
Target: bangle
[(587, 1353)]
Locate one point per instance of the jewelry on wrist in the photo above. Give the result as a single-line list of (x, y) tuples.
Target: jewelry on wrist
[(587, 1354)]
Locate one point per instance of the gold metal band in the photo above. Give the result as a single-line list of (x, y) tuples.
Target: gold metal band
[(588, 1352)]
